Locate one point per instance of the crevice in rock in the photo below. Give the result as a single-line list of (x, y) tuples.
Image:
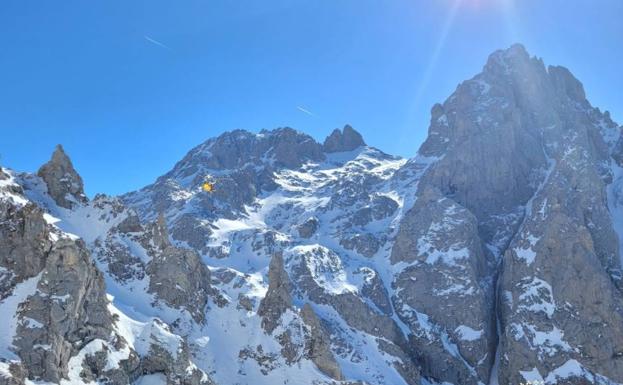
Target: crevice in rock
[(494, 371)]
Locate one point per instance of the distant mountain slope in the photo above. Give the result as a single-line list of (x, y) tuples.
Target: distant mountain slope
[(491, 257)]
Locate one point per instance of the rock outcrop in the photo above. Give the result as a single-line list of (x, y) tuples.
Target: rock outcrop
[(318, 347), (68, 310), (345, 140), (178, 276), (63, 327), (523, 153), (64, 184), (278, 298), (64, 304), (445, 264), (24, 243), (491, 257), (308, 228)]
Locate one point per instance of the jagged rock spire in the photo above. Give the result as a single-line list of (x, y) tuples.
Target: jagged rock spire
[(160, 233), (65, 185), (345, 140), (278, 298)]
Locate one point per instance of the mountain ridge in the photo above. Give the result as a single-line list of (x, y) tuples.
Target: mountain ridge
[(493, 256)]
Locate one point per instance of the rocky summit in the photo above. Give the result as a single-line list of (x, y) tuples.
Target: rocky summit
[(492, 257)]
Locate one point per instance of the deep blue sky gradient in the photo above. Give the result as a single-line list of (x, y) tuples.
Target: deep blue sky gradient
[(85, 73)]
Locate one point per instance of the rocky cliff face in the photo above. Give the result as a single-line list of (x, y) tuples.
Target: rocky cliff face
[(528, 156), (491, 257), (345, 140), (63, 182), (60, 324)]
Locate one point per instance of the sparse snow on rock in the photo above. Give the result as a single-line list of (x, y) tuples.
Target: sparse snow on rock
[(491, 257)]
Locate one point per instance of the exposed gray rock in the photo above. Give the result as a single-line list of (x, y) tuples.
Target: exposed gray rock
[(160, 233), (345, 140), (362, 217), (561, 270), (374, 290), (365, 244), (180, 279), (265, 360), (67, 314), (132, 224), (24, 243), (308, 228), (68, 310), (278, 298), (353, 309), (497, 246), (383, 207), (241, 164), (245, 302), (288, 147), (178, 276), (64, 184), (318, 349), (171, 357), (121, 263), (188, 228), (95, 366), (521, 151), (444, 279), (15, 376)]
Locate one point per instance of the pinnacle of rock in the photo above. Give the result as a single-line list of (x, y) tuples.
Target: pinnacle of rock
[(346, 139), (64, 184)]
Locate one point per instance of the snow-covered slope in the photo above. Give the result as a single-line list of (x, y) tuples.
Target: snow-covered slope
[(491, 257)]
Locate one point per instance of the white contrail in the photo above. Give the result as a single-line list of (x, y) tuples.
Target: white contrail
[(305, 111), (156, 42)]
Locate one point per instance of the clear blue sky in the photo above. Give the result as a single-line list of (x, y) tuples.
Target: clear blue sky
[(128, 87)]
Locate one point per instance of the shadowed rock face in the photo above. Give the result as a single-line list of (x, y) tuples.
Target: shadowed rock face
[(24, 243), (282, 147), (278, 298), (494, 252), (70, 304), (64, 184), (345, 140), (528, 161), (448, 271), (242, 165), (178, 276), (67, 307), (304, 265), (316, 340), (63, 312), (286, 146), (319, 345)]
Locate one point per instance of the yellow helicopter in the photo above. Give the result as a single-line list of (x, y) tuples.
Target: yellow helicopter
[(207, 185)]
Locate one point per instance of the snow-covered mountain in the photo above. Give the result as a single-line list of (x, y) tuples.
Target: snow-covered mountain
[(491, 257)]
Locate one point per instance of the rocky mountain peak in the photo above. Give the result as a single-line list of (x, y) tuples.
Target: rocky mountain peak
[(279, 148), (493, 256), (566, 84), (346, 139), (65, 185), (291, 148), (513, 147), (514, 58), (515, 111), (516, 52)]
